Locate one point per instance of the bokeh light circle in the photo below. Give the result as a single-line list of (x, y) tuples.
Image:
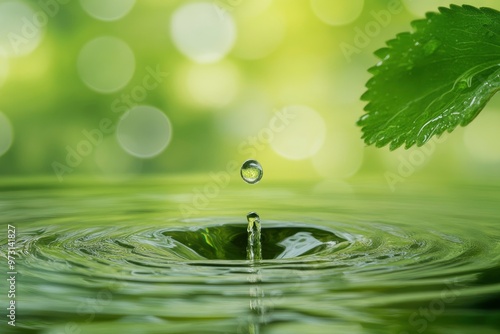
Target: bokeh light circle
[(481, 137), (337, 13), (106, 64), (21, 28), (107, 10), (201, 32), (6, 134), (302, 134), (144, 131)]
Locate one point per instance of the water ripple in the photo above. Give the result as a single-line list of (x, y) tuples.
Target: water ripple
[(327, 264)]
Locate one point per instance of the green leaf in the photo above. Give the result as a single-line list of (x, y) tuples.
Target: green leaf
[(433, 79)]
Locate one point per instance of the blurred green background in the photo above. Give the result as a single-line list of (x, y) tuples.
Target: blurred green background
[(75, 77)]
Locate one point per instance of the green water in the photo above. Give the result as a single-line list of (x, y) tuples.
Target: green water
[(127, 258)]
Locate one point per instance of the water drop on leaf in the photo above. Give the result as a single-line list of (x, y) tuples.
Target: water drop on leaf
[(431, 46)]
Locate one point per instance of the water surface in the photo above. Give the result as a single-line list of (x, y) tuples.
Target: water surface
[(155, 256)]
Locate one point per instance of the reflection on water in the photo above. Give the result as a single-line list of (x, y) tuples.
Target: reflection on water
[(298, 244), (104, 259)]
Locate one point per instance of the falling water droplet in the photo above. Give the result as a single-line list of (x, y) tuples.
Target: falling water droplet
[(251, 171)]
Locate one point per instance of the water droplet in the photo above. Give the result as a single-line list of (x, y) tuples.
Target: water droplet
[(253, 221), (251, 171), (431, 46), (463, 83)]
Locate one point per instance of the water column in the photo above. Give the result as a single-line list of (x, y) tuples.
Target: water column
[(251, 172), (254, 246)]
